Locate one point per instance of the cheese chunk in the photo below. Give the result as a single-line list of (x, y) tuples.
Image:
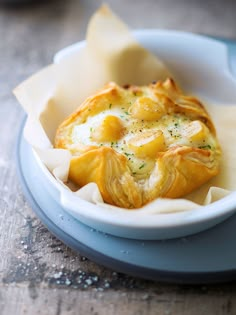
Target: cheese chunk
[(196, 131), (146, 108), (110, 129), (147, 144)]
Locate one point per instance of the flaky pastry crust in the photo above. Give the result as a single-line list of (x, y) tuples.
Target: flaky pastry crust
[(140, 143)]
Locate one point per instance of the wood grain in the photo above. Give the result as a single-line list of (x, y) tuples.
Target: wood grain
[(40, 275)]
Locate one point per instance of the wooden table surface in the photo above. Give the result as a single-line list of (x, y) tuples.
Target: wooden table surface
[(40, 275)]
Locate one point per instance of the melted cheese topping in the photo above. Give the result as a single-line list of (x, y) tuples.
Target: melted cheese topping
[(175, 129)]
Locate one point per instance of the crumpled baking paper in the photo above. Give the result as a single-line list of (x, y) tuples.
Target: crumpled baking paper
[(111, 54)]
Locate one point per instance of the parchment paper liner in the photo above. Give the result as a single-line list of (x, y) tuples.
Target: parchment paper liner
[(111, 54)]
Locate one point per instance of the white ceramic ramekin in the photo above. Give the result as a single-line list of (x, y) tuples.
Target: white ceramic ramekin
[(199, 64)]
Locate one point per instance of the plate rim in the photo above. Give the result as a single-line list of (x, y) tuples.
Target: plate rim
[(167, 276)]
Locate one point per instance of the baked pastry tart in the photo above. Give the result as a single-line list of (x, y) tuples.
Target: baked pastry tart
[(140, 143)]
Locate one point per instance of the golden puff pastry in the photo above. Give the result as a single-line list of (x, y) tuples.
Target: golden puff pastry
[(140, 143)]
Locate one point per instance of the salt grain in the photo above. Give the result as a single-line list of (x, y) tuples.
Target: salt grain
[(145, 296), (57, 275), (88, 281), (68, 282)]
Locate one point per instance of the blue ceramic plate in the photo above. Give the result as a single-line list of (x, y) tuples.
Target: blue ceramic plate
[(206, 257)]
